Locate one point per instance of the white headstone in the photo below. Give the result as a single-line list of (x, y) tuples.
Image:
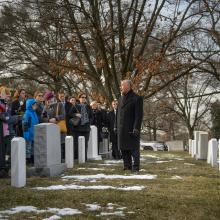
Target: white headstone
[(103, 147), (47, 150), (18, 162), (190, 146), (69, 156), (193, 148), (212, 152), (93, 144), (196, 138), (81, 149), (219, 153), (175, 145), (202, 146)]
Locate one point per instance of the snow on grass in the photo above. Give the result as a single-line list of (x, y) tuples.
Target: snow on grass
[(178, 158), (176, 178), (64, 211), (98, 187), (117, 213), (82, 168), (104, 176), (151, 156), (28, 209), (19, 209), (163, 161), (172, 168), (53, 217), (130, 212), (189, 164), (112, 161), (106, 164), (93, 207), (142, 170), (121, 208)]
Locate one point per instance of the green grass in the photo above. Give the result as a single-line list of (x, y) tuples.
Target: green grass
[(196, 196)]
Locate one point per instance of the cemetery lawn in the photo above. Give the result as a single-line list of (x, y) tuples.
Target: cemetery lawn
[(185, 188)]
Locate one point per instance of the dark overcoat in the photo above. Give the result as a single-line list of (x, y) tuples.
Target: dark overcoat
[(129, 117), (112, 125)]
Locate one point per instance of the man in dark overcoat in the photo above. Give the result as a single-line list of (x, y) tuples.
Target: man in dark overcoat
[(129, 119), (112, 126)]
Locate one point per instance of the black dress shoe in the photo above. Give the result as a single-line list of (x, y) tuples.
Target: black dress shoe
[(127, 168)]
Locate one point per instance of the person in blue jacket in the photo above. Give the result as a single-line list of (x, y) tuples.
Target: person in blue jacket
[(30, 119)]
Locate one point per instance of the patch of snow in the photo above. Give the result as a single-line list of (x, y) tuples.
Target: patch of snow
[(107, 164), (178, 158), (19, 209), (98, 187), (121, 208), (151, 156), (93, 207), (174, 168), (176, 178), (189, 164), (142, 170), (90, 168), (117, 213), (53, 217), (159, 161), (57, 211), (112, 161), (93, 181), (103, 176), (65, 211), (111, 204), (110, 207), (130, 212)]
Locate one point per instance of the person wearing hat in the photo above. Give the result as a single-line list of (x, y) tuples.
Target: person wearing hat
[(30, 119), (49, 111)]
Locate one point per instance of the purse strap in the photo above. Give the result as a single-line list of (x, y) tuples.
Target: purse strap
[(57, 109)]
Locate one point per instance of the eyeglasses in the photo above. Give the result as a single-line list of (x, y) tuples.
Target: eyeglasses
[(40, 95)]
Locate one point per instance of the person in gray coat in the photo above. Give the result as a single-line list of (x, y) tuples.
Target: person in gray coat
[(129, 119)]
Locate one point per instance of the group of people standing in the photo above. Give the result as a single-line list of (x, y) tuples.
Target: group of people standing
[(74, 115)]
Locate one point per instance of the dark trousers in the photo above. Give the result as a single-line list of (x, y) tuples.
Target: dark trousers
[(76, 134), (115, 151), (127, 156)]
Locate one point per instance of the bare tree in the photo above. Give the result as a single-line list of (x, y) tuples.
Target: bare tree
[(191, 106)]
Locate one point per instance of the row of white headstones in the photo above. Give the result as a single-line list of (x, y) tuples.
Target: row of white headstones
[(203, 149), (48, 152)]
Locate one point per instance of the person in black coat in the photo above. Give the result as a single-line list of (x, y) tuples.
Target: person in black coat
[(97, 120), (71, 101), (112, 127), (18, 107), (129, 119), (83, 111)]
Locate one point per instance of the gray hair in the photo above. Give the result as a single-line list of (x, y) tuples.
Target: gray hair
[(127, 81)]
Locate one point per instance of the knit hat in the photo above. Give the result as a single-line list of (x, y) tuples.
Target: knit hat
[(48, 95)]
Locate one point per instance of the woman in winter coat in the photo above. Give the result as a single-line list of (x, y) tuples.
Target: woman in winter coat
[(30, 119), (17, 110), (83, 111)]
